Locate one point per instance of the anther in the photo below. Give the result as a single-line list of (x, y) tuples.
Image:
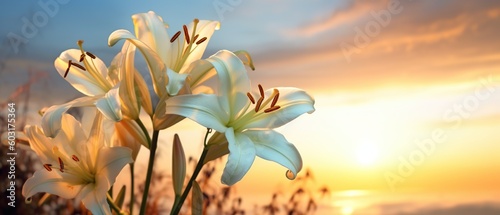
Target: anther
[(259, 103), (175, 36), (195, 37), (251, 98), (275, 99), (271, 109), (48, 167), (201, 40), (67, 70), (61, 165), (261, 90), (82, 57), (79, 66), (90, 55), (186, 33), (75, 158)]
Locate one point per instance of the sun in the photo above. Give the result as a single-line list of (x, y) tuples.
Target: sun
[(367, 153)]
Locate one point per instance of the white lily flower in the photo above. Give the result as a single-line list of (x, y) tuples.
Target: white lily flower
[(176, 52), (113, 92), (247, 130), (179, 53), (76, 165)]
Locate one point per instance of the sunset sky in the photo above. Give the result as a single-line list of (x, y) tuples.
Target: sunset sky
[(407, 92)]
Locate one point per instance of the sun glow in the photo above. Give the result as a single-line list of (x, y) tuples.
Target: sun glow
[(367, 154), (347, 210)]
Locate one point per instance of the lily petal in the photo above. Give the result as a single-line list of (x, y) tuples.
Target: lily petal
[(110, 162), (82, 80), (240, 159), (127, 90), (97, 204), (143, 93), (51, 120), (150, 29), (129, 134), (293, 102), (49, 182), (203, 109), (234, 82), (110, 105), (39, 143), (154, 62), (72, 134), (218, 147), (176, 82), (199, 71), (273, 146), (162, 120)]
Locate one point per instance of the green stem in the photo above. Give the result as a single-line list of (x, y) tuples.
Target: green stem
[(179, 202), (115, 207), (152, 152), (132, 184)]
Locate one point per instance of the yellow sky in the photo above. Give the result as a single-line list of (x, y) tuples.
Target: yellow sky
[(413, 104)]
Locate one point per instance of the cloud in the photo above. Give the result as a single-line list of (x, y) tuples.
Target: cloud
[(428, 43), (353, 11)]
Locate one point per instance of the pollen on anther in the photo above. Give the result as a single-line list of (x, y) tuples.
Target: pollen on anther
[(79, 66), (186, 34), (259, 103), (201, 40), (48, 167), (195, 37), (90, 55), (251, 98), (75, 158), (271, 109), (261, 90), (67, 70), (176, 35), (275, 99), (61, 165), (82, 56)]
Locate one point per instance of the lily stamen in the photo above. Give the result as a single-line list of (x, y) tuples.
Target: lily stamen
[(82, 56), (176, 35), (201, 40), (89, 65), (78, 65), (275, 99), (261, 90), (195, 37), (186, 33), (259, 103), (90, 55), (61, 165), (249, 95), (48, 167), (67, 70), (75, 158), (271, 109)]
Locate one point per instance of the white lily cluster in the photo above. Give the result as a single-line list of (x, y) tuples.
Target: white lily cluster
[(84, 164)]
